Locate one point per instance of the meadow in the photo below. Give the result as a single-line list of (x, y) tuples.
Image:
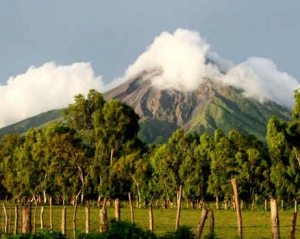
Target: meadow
[(256, 224)]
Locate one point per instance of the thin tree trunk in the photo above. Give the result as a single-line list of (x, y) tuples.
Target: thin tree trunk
[(103, 218), (34, 218), (74, 219), (217, 202), (178, 207), (293, 229), (274, 219), (26, 220), (117, 209), (9, 219), (51, 214), (6, 219), (42, 218), (16, 220), (211, 221), (151, 222), (201, 223), (238, 211), (87, 219), (131, 208), (63, 221), (266, 204)]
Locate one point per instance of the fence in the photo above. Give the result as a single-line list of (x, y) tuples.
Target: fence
[(256, 224)]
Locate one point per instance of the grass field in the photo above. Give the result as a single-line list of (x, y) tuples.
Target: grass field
[(256, 224)]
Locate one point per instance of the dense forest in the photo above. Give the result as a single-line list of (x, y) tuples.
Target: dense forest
[(95, 153)]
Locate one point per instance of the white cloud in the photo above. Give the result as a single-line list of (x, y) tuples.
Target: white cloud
[(181, 56), (44, 88), (260, 78), (182, 59)]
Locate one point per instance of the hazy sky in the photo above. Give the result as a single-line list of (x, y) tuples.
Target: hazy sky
[(52, 50)]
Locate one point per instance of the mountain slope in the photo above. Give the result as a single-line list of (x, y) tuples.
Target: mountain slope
[(209, 107), (162, 111)]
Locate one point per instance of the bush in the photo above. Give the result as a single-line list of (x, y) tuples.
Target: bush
[(40, 235), (120, 230), (183, 232)]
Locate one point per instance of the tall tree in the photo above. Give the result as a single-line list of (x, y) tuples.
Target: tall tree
[(283, 140)]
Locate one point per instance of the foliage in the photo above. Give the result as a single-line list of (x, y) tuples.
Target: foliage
[(40, 235)]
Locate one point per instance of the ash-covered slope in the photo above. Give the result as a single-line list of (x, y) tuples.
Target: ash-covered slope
[(211, 106)]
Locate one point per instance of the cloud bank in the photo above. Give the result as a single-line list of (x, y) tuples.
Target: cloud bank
[(186, 62), (183, 58), (44, 88)]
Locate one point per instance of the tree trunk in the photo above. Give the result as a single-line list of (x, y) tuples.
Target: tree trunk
[(117, 209), (9, 219), (6, 219), (16, 220), (274, 219), (131, 208), (26, 220), (238, 211), (293, 229), (151, 222), (103, 218), (87, 220), (201, 223), (74, 219), (51, 214), (42, 218), (217, 202), (211, 221), (34, 218), (178, 207), (63, 221), (45, 197), (266, 204)]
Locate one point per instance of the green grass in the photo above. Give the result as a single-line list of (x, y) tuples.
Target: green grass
[(256, 224)]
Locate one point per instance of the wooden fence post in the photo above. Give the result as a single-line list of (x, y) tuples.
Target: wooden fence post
[(117, 209), (151, 222), (63, 221), (178, 207), (201, 223), (274, 219), (131, 208), (26, 219), (87, 219), (238, 210), (16, 220)]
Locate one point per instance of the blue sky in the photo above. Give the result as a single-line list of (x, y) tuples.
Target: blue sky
[(53, 50), (111, 34)]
